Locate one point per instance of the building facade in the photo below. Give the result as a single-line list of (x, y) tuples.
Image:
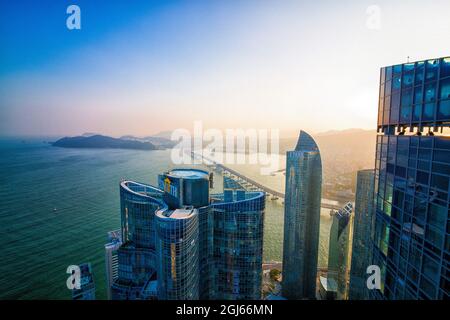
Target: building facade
[(339, 251), (411, 243), (362, 228), (238, 245), (136, 256), (173, 237), (302, 219)]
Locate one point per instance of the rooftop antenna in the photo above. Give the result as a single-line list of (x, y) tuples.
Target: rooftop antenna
[(407, 59)]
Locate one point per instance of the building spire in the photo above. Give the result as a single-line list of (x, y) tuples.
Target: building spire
[(306, 142)]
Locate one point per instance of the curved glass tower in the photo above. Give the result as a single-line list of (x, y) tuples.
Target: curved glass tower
[(136, 255), (178, 254), (178, 244), (238, 245), (302, 219)]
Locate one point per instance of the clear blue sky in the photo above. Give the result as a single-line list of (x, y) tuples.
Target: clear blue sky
[(140, 67)]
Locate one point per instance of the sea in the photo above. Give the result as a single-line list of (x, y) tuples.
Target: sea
[(57, 205)]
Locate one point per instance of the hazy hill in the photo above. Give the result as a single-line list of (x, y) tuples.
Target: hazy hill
[(99, 141), (158, 141)]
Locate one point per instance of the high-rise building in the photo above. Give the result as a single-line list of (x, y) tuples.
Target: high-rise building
[(112, 259), (136, 256), (339, 251), (238, 245), (180, 243), (411, 242), (87, 285), (362, 228), (302, 219)]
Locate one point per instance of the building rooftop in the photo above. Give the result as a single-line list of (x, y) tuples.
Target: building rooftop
[(306, 143), (188, 174), (177, 213)]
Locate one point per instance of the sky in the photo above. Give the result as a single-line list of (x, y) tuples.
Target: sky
[(142, 67)]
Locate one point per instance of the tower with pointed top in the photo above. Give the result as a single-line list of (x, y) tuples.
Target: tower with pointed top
[(302, 219)]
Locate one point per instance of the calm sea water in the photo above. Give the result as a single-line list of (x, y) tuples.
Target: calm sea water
[(56, 206)]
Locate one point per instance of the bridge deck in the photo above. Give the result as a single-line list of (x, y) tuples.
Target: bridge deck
[(257, 184)]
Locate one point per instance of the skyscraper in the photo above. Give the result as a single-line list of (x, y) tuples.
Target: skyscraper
[(302, 219), (181, 243), (238, 244), (362, 227), (136, 255), (112, 259), (339, 254), (411, 243)]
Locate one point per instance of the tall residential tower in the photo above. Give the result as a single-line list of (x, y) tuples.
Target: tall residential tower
[(362, 228), (339, 251), (181, 243), (302, 219)]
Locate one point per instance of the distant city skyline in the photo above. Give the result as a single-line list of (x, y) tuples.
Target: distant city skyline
[(249, 64)]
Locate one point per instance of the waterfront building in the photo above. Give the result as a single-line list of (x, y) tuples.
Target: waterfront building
[(411, 243), (302, 219), (112, 260), (136, 256), (339, 254), (173, 237), (238, 245), (362, 228), (87, 285)]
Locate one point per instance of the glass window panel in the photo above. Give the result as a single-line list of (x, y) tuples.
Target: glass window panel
[(431, 70), (430, 267), (426, 142), (441, 156), (444, 91), (445, 67), (419, 73), (442, 143), (388, 73), (397, 69), (430, 92), (417, 112), (444, 110), (408, 67), (428, 111), (439, 182), (396, 83), (395, 100), (387, 88), (408, 80), (437, 216), (434, 236), (383, 75), (405, 114), (418, 95), (407, 97)]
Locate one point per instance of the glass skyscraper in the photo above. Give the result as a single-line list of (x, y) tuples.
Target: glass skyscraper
[(339, 254), (362, 227), (180, 243), (302, 219), (238, 244), (411, 241)]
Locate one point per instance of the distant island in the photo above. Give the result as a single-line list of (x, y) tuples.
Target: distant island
[(100, 141)]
